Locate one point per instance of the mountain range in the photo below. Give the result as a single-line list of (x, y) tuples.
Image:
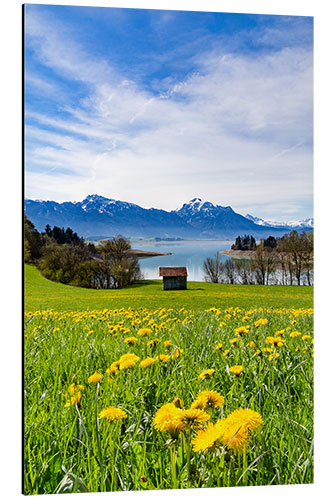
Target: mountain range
[(97, 217)]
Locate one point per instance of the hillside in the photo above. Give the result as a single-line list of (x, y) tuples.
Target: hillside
[(41, 294)]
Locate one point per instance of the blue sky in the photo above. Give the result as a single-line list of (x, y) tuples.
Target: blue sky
[(158, 107)]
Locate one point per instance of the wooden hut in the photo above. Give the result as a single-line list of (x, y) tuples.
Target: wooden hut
[(174, 278)]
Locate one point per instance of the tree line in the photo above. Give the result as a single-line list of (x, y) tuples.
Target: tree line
[(281, 261), (62, 256)]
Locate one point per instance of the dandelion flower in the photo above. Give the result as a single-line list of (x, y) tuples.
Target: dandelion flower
[(206, 438), (112, 413), (241, 329), (234, 340), (177, 353), (167, 344), (206, 373), (262, 321), (236, 428), (147, 362), (208, 399), (163, 357), (218, 346), (179, 403), (251, 343), (294, 334), (128, 363), (130, 340), (153, 342), (143, 332), (95, 378), (305, 337), (167, 419), (236, 370), (193, 417)]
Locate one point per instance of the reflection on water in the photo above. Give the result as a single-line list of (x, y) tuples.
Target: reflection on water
[(190, 254)]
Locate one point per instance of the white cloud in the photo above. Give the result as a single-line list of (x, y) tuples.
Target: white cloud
[(238, 132)]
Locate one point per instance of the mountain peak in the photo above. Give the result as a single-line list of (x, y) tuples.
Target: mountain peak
[(95, 197)]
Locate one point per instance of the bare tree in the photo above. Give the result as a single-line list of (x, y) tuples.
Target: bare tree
[(212, 267), (230, 271), (244, 272), (264, 262)]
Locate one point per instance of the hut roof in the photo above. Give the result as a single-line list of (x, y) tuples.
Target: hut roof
[(173, 271)]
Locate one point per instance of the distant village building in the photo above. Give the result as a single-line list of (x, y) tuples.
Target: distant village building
[(174, 278)]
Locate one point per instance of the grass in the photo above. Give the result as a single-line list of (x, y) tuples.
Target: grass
[(71, 333), (69, 448), (44, 294)]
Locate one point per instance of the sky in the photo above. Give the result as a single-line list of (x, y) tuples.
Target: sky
[(157, 107)]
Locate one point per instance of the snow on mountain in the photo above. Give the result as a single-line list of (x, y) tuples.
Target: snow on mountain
[(99, 216), (306, 223)]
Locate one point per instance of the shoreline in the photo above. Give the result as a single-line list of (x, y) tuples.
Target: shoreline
[(238, 254), (144, 253)]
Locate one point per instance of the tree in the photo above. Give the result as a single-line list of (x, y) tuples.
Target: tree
[(33, 242), (212, 267), (229, 271), (244, 271), (299, 251), (124, 266), (264, 262)]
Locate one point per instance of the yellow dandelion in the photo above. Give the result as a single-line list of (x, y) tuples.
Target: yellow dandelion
[(251, 344), (193, 417), (163, 357), (273, 356), (179, 403), (236, 370), (206, 373), (218, 346), (112, 413), (226, 352), (208, 399), (262, 321), (294, 334), (128, 356), (153, 342), (143, 332), (130, 340), (242, 329), (236, 428), (206, 438), (167, 344), (95, 378), (147, 362), (167, 419), (306, 337), (234, 340), (177, 353)]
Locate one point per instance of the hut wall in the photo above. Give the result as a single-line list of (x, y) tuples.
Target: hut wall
[(174, 283)]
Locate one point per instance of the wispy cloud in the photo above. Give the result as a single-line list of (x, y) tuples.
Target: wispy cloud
[(235, 130)]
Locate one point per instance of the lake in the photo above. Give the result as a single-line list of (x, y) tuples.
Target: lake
[(191, 254)]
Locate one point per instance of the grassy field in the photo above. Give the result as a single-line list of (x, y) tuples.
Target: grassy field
[(41, 294), (115, 385)]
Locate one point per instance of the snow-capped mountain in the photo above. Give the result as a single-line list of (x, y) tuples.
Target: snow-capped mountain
[(305, 223), (99, 217)]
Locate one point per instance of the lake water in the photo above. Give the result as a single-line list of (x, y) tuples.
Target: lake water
[(191, 254)]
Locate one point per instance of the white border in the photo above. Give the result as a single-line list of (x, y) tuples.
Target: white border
[(11, 240)]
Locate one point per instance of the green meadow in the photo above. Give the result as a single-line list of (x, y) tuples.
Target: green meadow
[(44, 294), (140, 389)]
